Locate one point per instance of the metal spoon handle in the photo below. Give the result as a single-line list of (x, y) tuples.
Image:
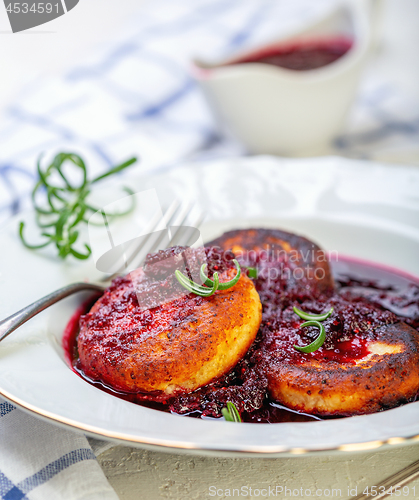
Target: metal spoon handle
[(397, 480), (10, 324)]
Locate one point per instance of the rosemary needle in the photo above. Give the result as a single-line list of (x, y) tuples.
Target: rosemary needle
[(211, 285), (316, 343), (65, 207), (231, 413), (316, 317)]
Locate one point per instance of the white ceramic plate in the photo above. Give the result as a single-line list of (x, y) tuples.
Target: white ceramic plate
[(360, 209)]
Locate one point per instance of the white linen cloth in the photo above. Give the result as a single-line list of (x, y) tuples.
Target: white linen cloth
[(40, 461), (137, 97)]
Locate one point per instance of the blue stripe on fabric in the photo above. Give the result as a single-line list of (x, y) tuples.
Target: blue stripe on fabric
[(69, 105), (5, 171), (111, 59), (163, 60), (374, 98), (129, 96), (25, 152), (10, 491), (42, 121), (180, 127), (167, 28), (14, 494), (14, 168), (97, 148), (157, 58), (6, 207), (46, 122), (7, 487), (249, 28), (384, 131), (204, 14), (6, 408), (14, 204), (155, 109), (55, 468)]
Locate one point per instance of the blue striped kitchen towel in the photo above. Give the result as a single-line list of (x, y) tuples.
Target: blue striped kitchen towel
[(136, 95), (39, 461)]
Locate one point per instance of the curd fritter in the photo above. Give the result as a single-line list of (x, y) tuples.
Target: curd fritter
[(196, 353), (174, 347), (369, 360), (285, 259)]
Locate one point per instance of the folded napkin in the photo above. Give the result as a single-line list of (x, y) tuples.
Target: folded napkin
[(40, 461), (136, 96)]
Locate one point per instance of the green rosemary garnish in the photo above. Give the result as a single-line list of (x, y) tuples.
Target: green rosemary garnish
[(66, 205), (316, 317), (193, 287), (231, 413), (211, 285), (319, 340), (314, 320), (221, 286), (252, 272)]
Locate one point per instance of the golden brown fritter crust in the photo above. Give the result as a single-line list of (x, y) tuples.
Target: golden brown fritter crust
[(384, 378), (187, 343), (170, 349), (387, 377), (254, 247)]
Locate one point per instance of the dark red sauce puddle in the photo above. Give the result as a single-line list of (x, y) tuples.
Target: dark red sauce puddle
[(71, 331), (387, 288), (302, 56)]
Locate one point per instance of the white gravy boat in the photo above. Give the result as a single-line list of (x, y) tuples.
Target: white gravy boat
[(274, 110)]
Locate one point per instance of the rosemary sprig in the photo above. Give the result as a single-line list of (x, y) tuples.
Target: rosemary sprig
[(314, 320), (193, 287), (221, 286), (315, 317), (252, 272), (211, 285), (316, 343), (66, 206), (231, 413)]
